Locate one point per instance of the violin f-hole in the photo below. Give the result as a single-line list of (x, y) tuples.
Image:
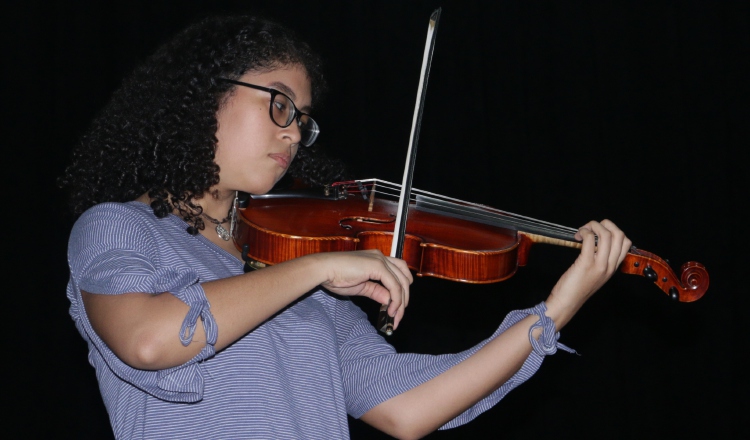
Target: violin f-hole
[(344, 221)]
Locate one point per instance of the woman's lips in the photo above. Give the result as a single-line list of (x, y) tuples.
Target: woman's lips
[(282, 159)]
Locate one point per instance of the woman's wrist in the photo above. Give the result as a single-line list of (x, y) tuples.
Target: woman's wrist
[(561, 312), (544, 333)]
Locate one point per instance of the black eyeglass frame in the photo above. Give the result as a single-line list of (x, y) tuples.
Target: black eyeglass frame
[(297, 112)]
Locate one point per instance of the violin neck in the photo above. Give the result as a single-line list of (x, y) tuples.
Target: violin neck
[(537, 230), (543, 239)]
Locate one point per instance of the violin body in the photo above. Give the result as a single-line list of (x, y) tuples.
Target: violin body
[(434, 245), (279, 227)]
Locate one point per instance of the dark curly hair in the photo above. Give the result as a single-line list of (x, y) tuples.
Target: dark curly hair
[(157, 134)]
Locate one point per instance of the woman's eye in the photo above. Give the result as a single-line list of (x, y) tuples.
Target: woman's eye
[(280, 106)]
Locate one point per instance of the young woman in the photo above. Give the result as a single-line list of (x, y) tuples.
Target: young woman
[(186, 345)]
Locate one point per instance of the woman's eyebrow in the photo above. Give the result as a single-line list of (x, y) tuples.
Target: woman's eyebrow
[(280, 86)]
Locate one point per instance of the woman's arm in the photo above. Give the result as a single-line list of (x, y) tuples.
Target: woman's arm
[(430, 405), (141, 328)]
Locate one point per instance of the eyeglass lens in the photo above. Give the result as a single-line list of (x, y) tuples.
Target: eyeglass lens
[(283, 114)]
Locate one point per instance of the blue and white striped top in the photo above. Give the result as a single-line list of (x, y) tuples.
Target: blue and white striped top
[(297, 376)]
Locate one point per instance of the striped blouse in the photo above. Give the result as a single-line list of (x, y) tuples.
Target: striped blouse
[(296, 376)]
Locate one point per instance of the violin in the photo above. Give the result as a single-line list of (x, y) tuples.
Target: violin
[(445, 237), (437, 236)]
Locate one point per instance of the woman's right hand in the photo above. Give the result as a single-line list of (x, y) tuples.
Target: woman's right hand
[(368, 273)]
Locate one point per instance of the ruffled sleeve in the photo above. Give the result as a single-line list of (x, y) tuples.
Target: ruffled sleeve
[(373, 372), (110, 253)]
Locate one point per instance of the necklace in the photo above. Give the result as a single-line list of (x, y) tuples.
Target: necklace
[(220, 230)]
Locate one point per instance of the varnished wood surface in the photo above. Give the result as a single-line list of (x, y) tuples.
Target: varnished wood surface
[(279, 229)]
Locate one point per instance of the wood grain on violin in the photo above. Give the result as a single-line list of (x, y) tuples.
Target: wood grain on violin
[(444, 238)]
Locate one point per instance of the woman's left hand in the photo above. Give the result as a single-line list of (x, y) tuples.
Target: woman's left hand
[(603, 249)]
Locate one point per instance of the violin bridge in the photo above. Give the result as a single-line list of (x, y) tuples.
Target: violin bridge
[(372, 199)]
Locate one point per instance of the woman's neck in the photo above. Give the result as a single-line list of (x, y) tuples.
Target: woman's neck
[(217, 209), (214, 204)]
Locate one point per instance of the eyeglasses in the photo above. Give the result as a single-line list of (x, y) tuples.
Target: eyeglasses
[(283, 112)]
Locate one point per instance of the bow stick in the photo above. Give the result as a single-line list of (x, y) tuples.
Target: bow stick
[(385, 321)]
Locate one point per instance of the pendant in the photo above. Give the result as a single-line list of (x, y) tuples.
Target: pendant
[(223, 233)]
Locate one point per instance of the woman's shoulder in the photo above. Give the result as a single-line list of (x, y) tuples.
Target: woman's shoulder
[(132, 208), (111, 218), (114, 212)]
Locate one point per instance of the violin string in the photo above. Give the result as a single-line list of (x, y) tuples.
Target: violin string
[(489, 210), (482, 213), (474, 214), (390, 190)]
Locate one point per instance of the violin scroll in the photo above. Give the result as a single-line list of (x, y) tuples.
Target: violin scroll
[(689, 287)]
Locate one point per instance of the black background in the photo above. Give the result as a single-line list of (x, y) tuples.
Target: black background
[(562, 111)]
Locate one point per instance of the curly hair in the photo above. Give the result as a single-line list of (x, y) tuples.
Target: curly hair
[(157, 134)]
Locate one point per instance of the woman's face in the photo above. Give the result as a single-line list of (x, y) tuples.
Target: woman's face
[(253, 153)]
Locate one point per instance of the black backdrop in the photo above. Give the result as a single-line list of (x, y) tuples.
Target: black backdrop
[(634, 111)]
